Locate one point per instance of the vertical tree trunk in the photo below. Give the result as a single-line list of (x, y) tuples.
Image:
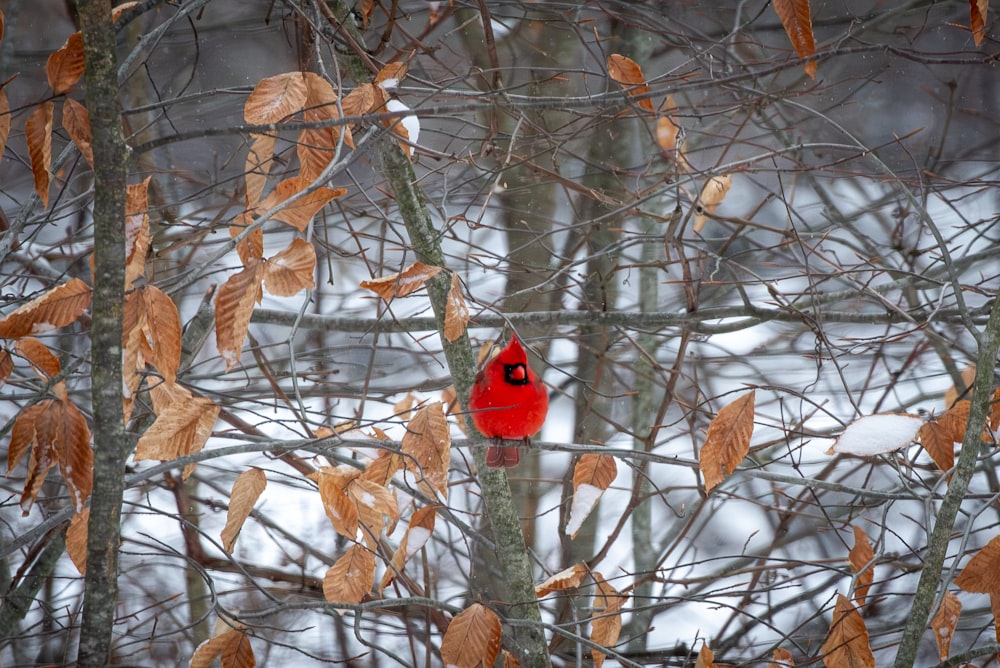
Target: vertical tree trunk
[(111, 447)]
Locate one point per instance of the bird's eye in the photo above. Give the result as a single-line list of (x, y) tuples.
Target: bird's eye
[(515, 374)]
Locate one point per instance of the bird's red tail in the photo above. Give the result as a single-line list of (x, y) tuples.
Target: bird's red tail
[(502, 455)]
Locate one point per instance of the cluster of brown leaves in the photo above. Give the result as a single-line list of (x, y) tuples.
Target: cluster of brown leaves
[(415, 277)]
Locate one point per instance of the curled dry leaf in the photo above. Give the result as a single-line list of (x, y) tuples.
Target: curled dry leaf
[(861, 559), (977, 19), (76, 122), (568, 578), (627, 72), (276, 98), (711, 197), (291, 270), (234, 304), (352, 577), (727, 441), (796, 19), (592, 476), (953, 393), (847, 642), (65, 65), (56, 308), (705, 658), (76, 540), (606, 625), (257, 167), (418, 532), (390, 75), (472, 639), (38, 134), (944, 622), (137, 235), (38, 354), (246, 490), (338, 506), (230, 644), (878, 434), (781, 658), (4, 121), (402, 283), (456, 314)]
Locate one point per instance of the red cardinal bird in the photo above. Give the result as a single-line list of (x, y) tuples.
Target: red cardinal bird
[(508, 402)]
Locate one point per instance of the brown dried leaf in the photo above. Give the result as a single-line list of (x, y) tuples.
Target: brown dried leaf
[(56, 308), (76, 540), (6, 365), (276, 98), (568, 578), (182, 428), (375, 503), (418, 532), (592, 476), (351, 578), (861, 559), (76, 122), (65, 65), (627, 72), (427, 446), (995, 609), (456, 314), (160, 343), (395, 71), (944, 622), (38, 134), (4, 121), (250, 247), (982, 574), (937, 441), (402, 283), (381, 469), (666, 130), (781, 658), (796, 19), (23, 432), (359, 101), (291, 270), (257, 167), (472, 639), (705, 658), (246, 490), (230, 645), (234, 304), (299, 212), (40, 357), (728, 440), (338, 506), (137, 236), (711, 197), (606, 625), (846, 644), (977, 19)]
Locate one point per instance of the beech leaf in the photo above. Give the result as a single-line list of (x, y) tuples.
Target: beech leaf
[(781, 658), (298, 212), (4, 121), (275, 98), (861, 558), (247, 488), (472, 639), (76, 540), (427, 446), (982, 574), (568, 578), (795, 17), (728, 440), (39, 355), (592, 476), (847, 643), (402, 283), (230, 645), (705, 658), (182, 428), (351, 578), (627, 72), (711, 197), (606, 625), (291, 270), (234, 304), (76, 122), (38, 134), (257, 167), (944, 622), (56, 308), (977, 19), (338, 506), (418, 532), (65, 65), (456, 314)]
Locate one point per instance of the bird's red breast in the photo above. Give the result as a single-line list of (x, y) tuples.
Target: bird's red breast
[(508, 401)]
